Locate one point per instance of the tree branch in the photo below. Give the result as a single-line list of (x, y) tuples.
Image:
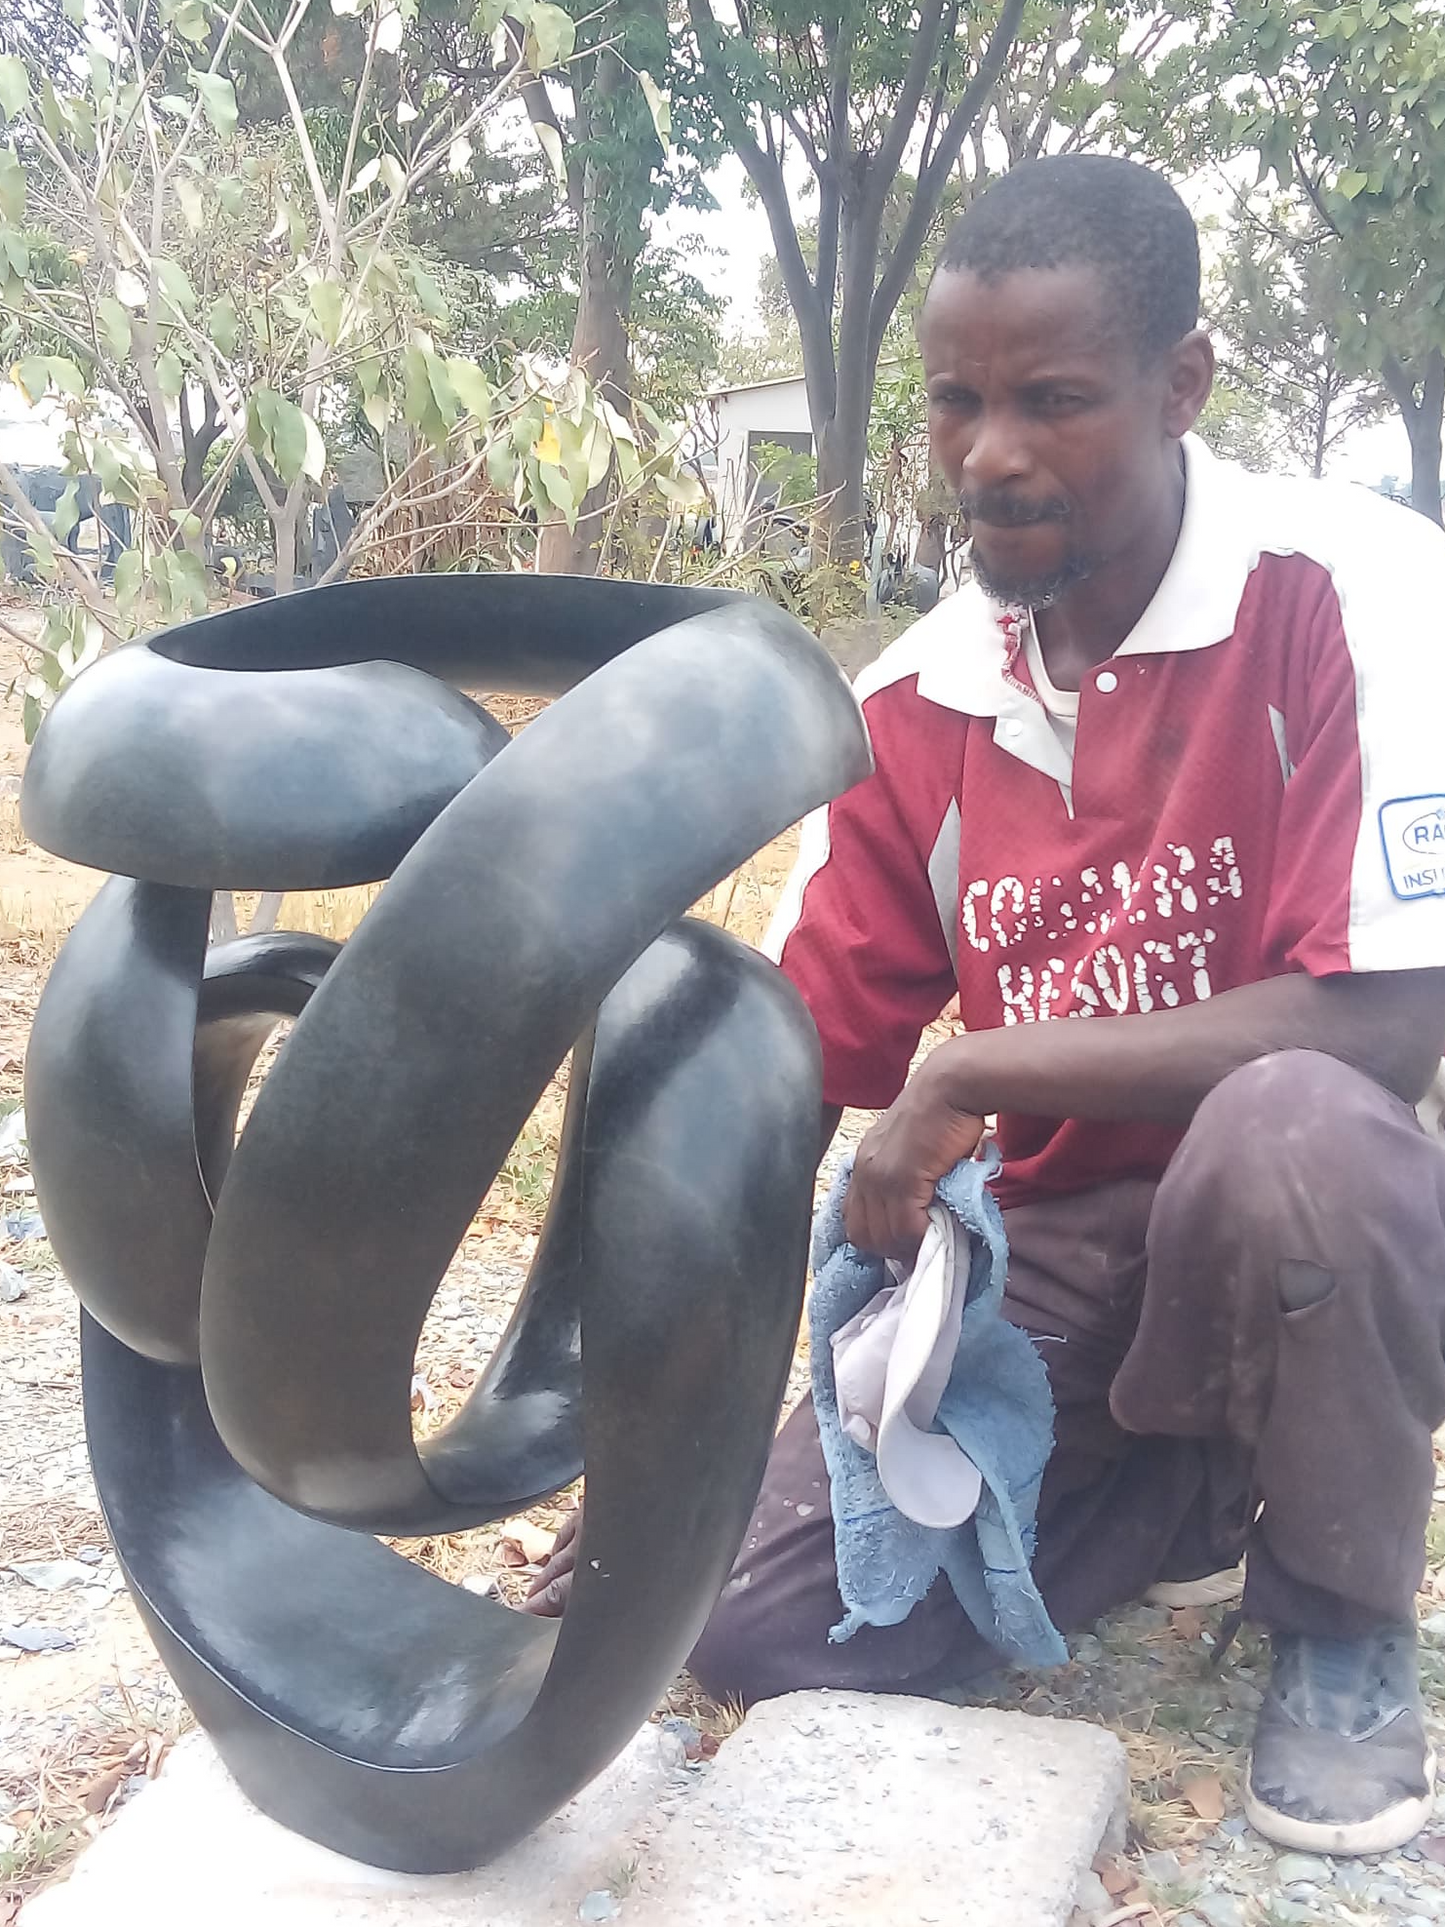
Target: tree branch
[(928, 191)]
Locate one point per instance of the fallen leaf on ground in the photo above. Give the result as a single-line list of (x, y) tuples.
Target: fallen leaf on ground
[(534, 1542), (1118, 1877), (1205, 1793)]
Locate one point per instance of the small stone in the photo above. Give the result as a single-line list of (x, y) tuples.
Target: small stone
[(50, 1575), (599, 1905), (484, 1584), (37, 1639), (1292, 1868), (13, 1285), (1087, 1650), (1162, 1869), (90, 1555), (1219, 1910), (1093, 1896)]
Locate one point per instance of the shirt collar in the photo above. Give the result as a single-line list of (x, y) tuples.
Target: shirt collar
[(1193, 608)]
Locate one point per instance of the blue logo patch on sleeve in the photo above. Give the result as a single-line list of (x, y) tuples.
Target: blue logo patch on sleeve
[(1412, 829)]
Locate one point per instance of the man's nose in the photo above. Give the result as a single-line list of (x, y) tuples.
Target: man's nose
[(997, 455)]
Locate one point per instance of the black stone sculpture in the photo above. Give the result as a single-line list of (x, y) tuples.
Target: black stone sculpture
[(252, 1307)]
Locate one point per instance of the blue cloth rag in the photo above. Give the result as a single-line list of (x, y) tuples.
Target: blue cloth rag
[(997, 1407)]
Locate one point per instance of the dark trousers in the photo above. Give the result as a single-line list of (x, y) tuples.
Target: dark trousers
[(1245, 1356)]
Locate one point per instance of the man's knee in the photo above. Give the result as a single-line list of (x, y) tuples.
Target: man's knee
[(725, 1660), (1293, 1144)]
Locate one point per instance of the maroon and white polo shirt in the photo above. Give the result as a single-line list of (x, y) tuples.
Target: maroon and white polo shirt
[(1256, 785)]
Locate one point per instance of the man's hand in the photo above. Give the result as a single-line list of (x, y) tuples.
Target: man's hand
[(900, 1161), (547, 1594)]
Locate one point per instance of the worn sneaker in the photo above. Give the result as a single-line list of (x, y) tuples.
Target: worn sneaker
[(1341, 1763)]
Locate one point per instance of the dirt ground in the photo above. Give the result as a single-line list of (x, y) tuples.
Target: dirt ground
[(88, 1713)]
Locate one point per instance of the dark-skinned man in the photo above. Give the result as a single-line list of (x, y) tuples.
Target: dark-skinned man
[(1171, 767)]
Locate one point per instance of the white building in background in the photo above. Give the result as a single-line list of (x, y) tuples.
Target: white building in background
[(735, 422)]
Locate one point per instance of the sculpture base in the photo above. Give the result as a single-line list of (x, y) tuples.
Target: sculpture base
[(835, 1809)]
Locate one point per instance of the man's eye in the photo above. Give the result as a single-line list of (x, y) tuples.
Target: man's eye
[(957, 399), (1060, 401)]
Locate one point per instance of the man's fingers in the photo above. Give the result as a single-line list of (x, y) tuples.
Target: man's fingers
[(548, 1591), (551, 1601)]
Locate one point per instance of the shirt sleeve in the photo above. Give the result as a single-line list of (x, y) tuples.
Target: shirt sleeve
[(1359, 872), (859, 929)]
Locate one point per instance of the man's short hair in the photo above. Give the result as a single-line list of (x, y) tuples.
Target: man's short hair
[(1096, 211)]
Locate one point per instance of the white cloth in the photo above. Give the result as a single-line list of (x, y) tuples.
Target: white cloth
[(891, 1366)]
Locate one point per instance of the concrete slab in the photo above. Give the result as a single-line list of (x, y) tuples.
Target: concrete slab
[(834, 1809)]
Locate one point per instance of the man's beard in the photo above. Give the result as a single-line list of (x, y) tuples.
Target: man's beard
[(1032, 592), (1003, 510)]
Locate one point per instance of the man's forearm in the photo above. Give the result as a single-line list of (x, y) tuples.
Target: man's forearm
[(1161, 1065)]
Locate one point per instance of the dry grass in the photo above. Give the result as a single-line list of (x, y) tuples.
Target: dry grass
[(81, 1780), (12, 837), (47, 1529)]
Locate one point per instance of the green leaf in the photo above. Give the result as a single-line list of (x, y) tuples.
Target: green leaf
[(16, 252), (31, 716), (1352, 182), (175, 285), (551, 36), (32, 377), (313, 461), (188, 17), (218, 98), (550, 142), (193, 202), (14, 86), (488, 17), (169, 373), (659, 107), (326, 299), (428, 292), (188, 580), (74, 11), (50, 115), (127, 580), (67, 512), (117, 477), (12, 186), (471, 388), (101, 79), (393, 174), (277, 429), (114, 327), (233, 195), (377, 408), (225, 325)]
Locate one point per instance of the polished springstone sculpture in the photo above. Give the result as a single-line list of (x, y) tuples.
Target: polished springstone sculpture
[(251, 1307)]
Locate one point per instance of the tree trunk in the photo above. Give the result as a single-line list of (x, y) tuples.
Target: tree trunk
[(1420, 399), (1424, 433), (611, 240), (599, 345)]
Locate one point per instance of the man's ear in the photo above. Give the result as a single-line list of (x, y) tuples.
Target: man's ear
[(1190, 375)]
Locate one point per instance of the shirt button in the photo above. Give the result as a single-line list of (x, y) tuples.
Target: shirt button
[(1013, 729), (1107, 683)]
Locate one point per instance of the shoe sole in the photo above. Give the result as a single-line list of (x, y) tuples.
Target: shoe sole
[(1214, 1589), (1395, 1827)]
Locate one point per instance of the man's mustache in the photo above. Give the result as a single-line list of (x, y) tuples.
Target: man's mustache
[(1001, 510)]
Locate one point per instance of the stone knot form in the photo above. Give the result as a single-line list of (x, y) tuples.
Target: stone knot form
[(252, 1305)]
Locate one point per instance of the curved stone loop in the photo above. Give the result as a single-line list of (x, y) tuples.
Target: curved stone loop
[(315, 737), (397, 1718), (411, 1072), (533, 909)]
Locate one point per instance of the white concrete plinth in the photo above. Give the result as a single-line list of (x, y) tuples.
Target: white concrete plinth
[(835, 1809)]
